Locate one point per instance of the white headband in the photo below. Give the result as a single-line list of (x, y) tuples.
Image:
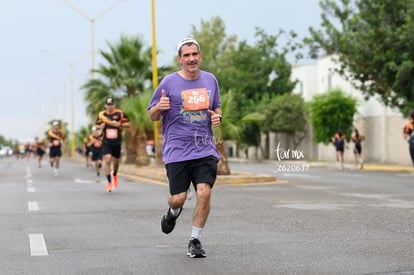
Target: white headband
[(185, 41)]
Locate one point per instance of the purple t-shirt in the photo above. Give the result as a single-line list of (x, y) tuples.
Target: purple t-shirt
[(186, 128)]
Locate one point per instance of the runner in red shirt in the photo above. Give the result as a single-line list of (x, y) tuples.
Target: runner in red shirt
[(56, 138), (111, 121)]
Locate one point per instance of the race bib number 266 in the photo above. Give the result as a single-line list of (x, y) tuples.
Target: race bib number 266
[(195, 99)]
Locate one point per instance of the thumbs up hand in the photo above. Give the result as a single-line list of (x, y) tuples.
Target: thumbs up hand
[(215, 118), (164, 103)]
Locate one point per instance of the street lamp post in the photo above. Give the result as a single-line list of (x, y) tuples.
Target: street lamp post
[(92, 20), (157, 124), (71, 66), (64, 96)]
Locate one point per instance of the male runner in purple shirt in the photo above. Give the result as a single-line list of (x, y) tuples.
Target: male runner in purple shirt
[(188, 104)]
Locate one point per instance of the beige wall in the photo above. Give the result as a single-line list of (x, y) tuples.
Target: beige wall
[(383, 144)]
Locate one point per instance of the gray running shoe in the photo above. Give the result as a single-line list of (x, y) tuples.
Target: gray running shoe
[(195, 249), (168, 221)]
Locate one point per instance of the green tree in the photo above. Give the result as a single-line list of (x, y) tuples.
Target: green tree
[(96, 90), (136, 109), (231, 128), (286, 114), (125, 73), (256, 73), (128, 66), (6, 142), (331, 111), (373, 40), (253, 71), (214, 43)]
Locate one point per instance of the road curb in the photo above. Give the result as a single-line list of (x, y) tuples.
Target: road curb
[(158, 174)]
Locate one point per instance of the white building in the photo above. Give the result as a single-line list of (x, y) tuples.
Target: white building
[(382, 126)]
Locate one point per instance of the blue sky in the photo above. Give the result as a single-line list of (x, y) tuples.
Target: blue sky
[(37, 34)]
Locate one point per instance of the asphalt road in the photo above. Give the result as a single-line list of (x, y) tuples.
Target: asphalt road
[(319, 221)]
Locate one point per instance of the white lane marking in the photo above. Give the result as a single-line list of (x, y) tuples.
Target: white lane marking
[(367, 196), (33, 206), (396, 203), (300, 175), (308, 205), (37, 245), (315, 187), (28, 172), (312, 205), (31, 189), (405, 174), (349, 174), (83, 181)]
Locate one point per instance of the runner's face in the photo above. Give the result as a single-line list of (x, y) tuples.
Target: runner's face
[(190, 58), (110, 107)]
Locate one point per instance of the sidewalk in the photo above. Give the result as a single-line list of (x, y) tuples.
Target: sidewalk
[(156, 174)]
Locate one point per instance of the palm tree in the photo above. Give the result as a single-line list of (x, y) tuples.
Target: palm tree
[(126, 74), (96, 92), (230, 129), (128, 67), (136, 110)]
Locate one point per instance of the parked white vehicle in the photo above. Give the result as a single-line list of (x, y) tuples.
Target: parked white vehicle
[(5, 151)]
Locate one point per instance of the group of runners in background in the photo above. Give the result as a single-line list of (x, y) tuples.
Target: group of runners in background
[(102, 147), (340, 142)]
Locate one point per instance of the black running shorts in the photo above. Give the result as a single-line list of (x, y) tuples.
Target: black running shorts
[(112, 149), (55, 151), (358, 149), (96, 154), (181, 174), (40, 152), (88, 151)]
